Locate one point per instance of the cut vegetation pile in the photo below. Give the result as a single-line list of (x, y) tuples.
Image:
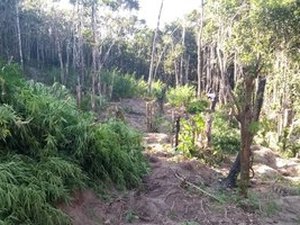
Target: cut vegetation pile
[(48, 149)]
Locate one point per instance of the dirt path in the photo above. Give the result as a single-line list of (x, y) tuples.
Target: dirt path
[(166, 198), (162, 199)]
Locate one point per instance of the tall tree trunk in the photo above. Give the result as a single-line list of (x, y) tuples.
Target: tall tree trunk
[(246, 141), (79, 55), (199, 50), (61, 63), (176, 70), (19, 34), (161, 55), (222, 59), (38, 53), (181, 79), (249, 113), (150, 76), (94, 66), (159, 61), (67, 60), (187, 69), (209, 118), (208, 70)]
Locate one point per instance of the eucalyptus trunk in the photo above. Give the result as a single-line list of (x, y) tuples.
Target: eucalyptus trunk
[(94, 63), (19, 34), (199, 51), (61, 63), (181, 76), (150, 76), (246, 119)]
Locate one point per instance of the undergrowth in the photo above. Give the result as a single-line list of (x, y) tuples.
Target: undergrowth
[(128, 86), (48, 149), (225, 135), (181, 96)]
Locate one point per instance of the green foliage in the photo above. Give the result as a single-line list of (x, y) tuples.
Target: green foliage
[(225, 135), (100, 101), (115, 154), (197, 106), (189, 131), (158, 90), (266, 132), (29, 189), (180, 96), (124, 86), (127, 86), (48, 148)]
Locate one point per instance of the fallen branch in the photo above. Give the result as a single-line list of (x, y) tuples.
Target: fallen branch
[(183, 180)]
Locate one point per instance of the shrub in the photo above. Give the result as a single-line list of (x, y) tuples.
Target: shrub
[(115, 154), (48, 148), (197, 106), (225, 136), (124, 86), (189, 131), (29, 189), (180, 96)]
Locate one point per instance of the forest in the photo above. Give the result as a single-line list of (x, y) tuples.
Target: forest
[(107, 120)]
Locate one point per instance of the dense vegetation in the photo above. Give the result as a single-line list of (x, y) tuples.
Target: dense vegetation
[(50, 149), (244, 52)]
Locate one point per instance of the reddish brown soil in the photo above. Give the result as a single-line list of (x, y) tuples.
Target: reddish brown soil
[(164, 199)]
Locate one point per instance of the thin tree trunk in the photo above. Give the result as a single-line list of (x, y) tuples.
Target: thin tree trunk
[(79, 56), (67, 60), (223, 84), (176, 73), (94, 66), (208, 70), (150, 76), (158, 62), (37, 53), (187, 69), (199, 50), (61, 63), (161, 55), (19, 35), (181, 80), (209, 120)]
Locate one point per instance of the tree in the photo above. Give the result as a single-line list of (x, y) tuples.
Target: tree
[(253, 49), (150, 76), (199, 49)]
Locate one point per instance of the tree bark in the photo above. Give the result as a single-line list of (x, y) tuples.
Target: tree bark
[(187, 69), (19, 35), (150, 76), (199, 51), (249, 112), (61, 63), (67, 60), (209, 119), (181, 79), (94, 66)]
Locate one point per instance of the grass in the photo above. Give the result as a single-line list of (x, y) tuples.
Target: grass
[(48, 149), (256, 202)]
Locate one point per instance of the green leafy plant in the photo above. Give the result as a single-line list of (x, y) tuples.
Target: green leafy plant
[(225, 136), (190, 130), (197, 106), (48, 148), (180, 96)]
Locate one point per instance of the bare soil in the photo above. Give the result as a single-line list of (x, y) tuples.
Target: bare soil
[(172, 193)]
